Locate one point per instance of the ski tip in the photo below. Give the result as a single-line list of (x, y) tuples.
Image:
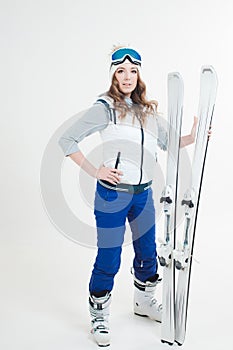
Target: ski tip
[(208, 69), (172, 75)]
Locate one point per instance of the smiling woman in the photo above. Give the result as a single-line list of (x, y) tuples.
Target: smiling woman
[(127, 76), (126, 81), (130, 129)]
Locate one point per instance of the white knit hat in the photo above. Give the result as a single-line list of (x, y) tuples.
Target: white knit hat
[(120, 55)]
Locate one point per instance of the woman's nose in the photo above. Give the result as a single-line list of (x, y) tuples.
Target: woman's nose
[(127, 75)]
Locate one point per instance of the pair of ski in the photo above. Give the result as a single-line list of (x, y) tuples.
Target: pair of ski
[(176, 259)]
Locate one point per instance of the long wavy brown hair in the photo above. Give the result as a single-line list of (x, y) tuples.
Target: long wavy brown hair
[(141, 106)]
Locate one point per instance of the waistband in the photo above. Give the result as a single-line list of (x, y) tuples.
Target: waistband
[(126, 187)]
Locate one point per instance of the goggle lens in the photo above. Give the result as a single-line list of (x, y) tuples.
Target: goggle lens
[(120, 55)]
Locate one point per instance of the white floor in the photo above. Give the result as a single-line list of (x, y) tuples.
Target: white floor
[(43, 303)]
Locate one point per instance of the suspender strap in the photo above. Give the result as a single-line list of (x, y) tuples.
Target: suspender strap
[(111, 111)]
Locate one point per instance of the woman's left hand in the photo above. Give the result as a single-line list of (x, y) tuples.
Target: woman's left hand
[(189, 139), (194, 129)]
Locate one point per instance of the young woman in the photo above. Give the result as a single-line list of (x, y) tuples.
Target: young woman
[(131, 130)]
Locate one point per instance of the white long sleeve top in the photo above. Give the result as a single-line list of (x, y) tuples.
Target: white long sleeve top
[(136, 143)]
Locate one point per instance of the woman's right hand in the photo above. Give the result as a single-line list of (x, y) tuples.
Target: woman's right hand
[(109, 174)]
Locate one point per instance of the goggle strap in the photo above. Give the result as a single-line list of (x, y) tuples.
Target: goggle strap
[(131, 59)]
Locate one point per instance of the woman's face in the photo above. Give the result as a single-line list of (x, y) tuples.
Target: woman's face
[(127, 77)]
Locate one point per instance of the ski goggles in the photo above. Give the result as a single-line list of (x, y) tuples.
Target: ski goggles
[(120, 55)]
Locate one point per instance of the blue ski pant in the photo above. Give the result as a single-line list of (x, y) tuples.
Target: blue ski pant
[(111, 209)]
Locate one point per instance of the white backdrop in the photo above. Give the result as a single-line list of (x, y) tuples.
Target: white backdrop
[(54, 62)]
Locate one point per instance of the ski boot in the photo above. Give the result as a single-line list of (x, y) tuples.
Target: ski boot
[(145, 303), (99, 310)]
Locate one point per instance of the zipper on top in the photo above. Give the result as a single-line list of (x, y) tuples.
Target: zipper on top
[(142, 149)]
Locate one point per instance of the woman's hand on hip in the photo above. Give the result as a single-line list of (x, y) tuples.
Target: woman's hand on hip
[(109, 174)]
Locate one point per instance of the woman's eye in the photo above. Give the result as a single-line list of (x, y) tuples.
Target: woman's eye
[(120, 71), (134, 71)]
